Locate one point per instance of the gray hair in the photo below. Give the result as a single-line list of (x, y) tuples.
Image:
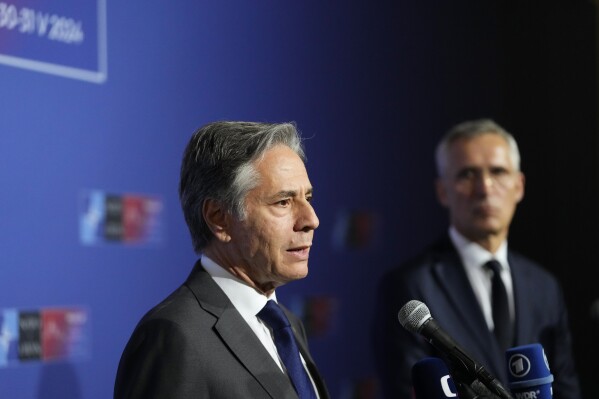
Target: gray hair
[(218, 164), (470, 129)]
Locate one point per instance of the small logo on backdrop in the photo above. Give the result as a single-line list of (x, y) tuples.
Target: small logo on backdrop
[(356, 229), (9, 336), (128, 219), (43, 335), (30, 347), (65, 334)]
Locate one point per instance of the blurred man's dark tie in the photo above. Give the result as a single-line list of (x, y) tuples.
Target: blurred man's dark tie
[(500, 305)]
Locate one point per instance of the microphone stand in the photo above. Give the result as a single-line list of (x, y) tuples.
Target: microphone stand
[(465, 392), (470, 387)]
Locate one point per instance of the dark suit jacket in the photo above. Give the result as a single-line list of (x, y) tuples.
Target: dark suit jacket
[(195, 344), (437, 278)]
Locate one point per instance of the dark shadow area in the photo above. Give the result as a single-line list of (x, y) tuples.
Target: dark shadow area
[(549, 83)]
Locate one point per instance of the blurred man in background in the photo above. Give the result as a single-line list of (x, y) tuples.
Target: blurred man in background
[(486, 296)]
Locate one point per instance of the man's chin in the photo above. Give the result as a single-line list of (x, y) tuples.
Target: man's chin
[(297, 271), (487, 231), (482, 230)]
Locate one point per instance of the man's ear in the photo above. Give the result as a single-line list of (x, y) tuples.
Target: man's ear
[(441, 191), (520, 183), (215, 216)]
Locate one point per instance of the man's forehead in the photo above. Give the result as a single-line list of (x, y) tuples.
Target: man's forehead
[(476, 153), (484, 144), (282, 175), (477, 138)]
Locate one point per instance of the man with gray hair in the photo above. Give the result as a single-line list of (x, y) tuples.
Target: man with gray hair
[(486, 296), (246, 196)]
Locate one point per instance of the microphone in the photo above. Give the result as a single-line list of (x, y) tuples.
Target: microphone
[(431, 379), (528, 372), (415, 316)]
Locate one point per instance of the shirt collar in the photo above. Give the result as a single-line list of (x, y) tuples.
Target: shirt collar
[(246, 299), (473, 255)]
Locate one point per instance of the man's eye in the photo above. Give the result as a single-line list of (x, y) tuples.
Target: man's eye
[(309, 198), (284, 202), (499, 171), (466, 174)]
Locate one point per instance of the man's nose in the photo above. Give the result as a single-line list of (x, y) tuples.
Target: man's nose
[(483, 183), (306, 218)]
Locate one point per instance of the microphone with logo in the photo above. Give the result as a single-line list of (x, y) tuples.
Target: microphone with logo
[(528, 372), (431, 379), (414, 316)]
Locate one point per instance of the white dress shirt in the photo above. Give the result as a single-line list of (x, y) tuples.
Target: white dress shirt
[(473, 258), (248, 303)]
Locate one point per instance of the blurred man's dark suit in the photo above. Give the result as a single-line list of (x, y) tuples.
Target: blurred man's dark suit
[(437, 278)]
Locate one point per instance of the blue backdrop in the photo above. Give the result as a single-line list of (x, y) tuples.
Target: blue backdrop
[(94, 120)]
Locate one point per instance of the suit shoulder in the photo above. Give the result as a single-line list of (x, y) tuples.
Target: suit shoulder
[(172, 323), (533, 270), (519, 260), (423, 261), (177, 308)]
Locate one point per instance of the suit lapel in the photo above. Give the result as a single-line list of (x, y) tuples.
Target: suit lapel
[(451, 277), (300, 337), (522, 297), (249, 350), (238, 336)]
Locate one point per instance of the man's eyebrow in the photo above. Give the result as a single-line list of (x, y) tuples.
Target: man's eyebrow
[(285, 194), (291, 193)]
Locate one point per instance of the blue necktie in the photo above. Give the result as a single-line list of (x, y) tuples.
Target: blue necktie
[(287, 348), (501, 310)]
